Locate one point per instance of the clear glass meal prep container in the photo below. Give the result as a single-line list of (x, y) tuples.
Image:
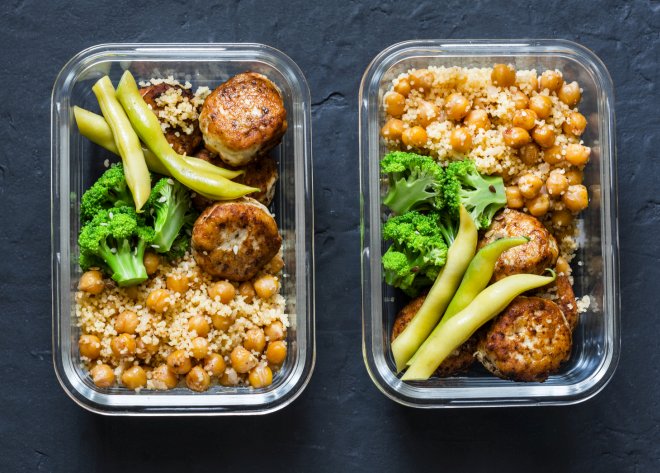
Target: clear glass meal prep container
[(76, 163), (597, 337)]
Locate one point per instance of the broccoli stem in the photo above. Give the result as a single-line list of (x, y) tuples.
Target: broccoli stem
[(126, 262)]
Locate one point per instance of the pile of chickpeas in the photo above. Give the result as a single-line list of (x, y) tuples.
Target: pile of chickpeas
[(204, 365)]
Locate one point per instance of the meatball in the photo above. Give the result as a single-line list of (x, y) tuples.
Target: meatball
[(460, 360), (182, 142), (534, 257), (242, 118), (526, 342), (566, 301), (234, 240)]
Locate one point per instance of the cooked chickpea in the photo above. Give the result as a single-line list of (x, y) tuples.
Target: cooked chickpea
[(242, 360), (158, 300), (200, 347), (570, 94), (544, 136), (266, 286), (503, 75), (551, 80), (421, 79), (126, 322), (132, 292), (457, 106), (577, 155), (514, 199), (197, 379), (221, 322), (177, 283), (478, 119), (541, 105), (395, 104), (91, 282), (123, 345), (530, 185), (392, 129), (520, 100), (276, 352), (89, 346), (574, 176), (533, 82), (260, 377), (539, 205), (151, 262), (529, 154), (275, 331), (562, 266), (246, 289), (574, 124), (553, 155), (415, 137), (164, 378), (179, 362), (214, 364), (402, 87), (461, 140), (525, 119), (426, 113), (102, 375), (224, 291), (255, 339), (275, 265), (147, 345), (576, 198), (556, 183), (229, 378), (516, 137), (562, 218), (199, 324), (134, 377)]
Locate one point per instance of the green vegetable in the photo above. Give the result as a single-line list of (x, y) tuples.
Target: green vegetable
[(116, 239), (448, 336), (414, 182), (168, 205), (458, 258), (110, 190), (417, 253), (126, 141)]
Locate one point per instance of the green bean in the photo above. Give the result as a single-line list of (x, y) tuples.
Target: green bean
[(127, 142), (458, 257), (96, 129), (148, 129), (448, 336)]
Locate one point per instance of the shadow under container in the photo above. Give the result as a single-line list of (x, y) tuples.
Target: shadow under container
[(596, 340), (76, 163)]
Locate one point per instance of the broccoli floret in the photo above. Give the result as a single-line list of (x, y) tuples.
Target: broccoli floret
[(115, 240), (417, 253), (414, 182), (110, 190), (482, 196), (168, 205), (181, 243)]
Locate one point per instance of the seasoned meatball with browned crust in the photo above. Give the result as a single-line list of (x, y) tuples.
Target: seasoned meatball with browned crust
[(461, 358), (566, 301), (242, 118), (528, 341), (234, 240), (182, 141), (534, 257)]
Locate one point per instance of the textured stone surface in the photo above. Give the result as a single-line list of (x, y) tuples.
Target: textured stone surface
[(341, 422)]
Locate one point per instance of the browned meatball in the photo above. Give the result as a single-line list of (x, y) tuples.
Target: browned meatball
[(566, 301), (242, 118), (234, 240), (526, 342), (534, 257), (182, 142), (460, 359)]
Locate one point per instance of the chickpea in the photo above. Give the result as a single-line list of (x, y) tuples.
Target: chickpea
[(266, 286), (402, 87), (224, 291), (533, 82), (414, 137), (275, 265), (164, 378), (541, 105), (570, 94), (461, 140), (134, 377), (530, 185), (427, 112), (255, 340), (199, 324), (395, 104), (89, 346), (214, 364), (91, 282), (503, 75), (392, 129), (516, 137), (514, 199), (147, 345), (577, 155), (158, 300), (151, 262), (574, 124), (276, 352), (177, 283), (102, 375), (242, 360), (529, 154), (200, 347), (544, 136), (421, 79), (576, 198), (551, 80), (197, 379), (179, 362), (260, 377), (221, 322), (539, 205), (123, 345), (574, 176), (229, 378), (553, 155), (132, 292), (562, 218), (457, 106), (556, 183), (525, 119), (520, 100), (246, 289), (275, 331), (478, 119), (562, 266), (126, 322)]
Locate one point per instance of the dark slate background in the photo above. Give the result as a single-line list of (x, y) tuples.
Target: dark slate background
[(341, 422)]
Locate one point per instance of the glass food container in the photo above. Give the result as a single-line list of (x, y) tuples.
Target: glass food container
[(596, 340), (76, 163)]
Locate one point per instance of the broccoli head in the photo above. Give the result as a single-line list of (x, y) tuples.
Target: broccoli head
[(169, 206), (110, 190)]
